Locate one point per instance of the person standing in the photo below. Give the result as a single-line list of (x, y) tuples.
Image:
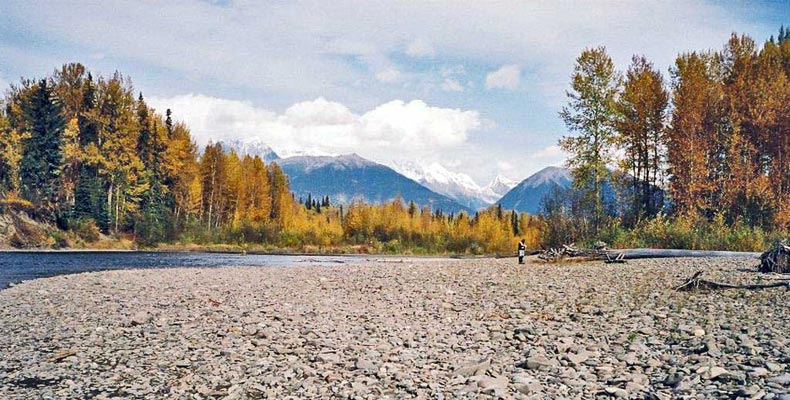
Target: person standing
[(522, 251)]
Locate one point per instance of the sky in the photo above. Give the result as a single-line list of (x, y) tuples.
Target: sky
[(475, 86)]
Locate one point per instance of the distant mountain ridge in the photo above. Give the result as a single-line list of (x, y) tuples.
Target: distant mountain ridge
[(528, 195), (348, 177), (251, 147), (456, 185)]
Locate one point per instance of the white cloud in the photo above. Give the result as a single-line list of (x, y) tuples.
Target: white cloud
[(507, 77), (388, 75), (553, 152), (452, 85), (398, 128), (308, 50), (455, 70), (420, 48)]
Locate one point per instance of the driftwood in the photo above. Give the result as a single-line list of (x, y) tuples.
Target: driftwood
[(602, 253), (696, 282), (571, 251), (776, 259), (618, 259)]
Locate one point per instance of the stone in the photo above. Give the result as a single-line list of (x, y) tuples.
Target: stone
[(577, 358), (140, 318), (475, 368), (538, 361), (366, 366), (488, 382), (331, 358), (773, 367), (716, 372), (616, 392), (783, 379)]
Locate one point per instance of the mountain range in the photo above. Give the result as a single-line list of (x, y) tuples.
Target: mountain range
[(457, 186), (348, 177)]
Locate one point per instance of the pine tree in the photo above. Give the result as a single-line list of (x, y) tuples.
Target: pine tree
[(90, 200), (169, 123), (514, 223), (42, 157)]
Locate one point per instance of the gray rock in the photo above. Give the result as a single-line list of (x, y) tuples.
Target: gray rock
[(488, 382), (474, 368), (783, 379), (366, 366), (616, 392), (538, 361), (577, 358), (331, 358)]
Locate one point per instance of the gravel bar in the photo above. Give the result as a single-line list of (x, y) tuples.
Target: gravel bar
[(480, 328)]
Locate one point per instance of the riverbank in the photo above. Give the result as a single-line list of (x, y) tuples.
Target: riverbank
[(382, 330)]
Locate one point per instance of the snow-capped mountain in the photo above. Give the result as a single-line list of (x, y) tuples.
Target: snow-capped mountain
[(528, 195), (499, 187), (456, 185), (348, 177), (252, 147)]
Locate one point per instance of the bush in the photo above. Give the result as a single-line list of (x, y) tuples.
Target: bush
[(87, 230)]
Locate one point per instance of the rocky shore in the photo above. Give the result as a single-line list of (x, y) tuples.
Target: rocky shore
[(455, 329)]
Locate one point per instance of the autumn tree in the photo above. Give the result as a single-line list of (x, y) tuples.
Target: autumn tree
[(641, 115), (590, 114)]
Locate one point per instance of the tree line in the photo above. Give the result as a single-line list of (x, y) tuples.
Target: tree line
[(86, 154), (711, 142)]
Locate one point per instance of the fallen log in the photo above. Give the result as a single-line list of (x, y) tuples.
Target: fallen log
[(632, 254), (696, 282), (777, 259), (620, 255)]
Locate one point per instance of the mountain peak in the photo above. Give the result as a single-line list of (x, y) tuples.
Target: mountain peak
[(345, 161), (252, 147), (557, 175), (528, 195), (501, 185), (437, 177)]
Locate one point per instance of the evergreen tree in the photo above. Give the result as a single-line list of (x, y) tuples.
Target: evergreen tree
[(90, 200), (514, 223), (169, 123), (42, 157)]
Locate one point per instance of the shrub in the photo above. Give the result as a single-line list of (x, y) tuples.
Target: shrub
[(87, 230)]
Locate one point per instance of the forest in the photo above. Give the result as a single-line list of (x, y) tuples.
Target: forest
[(90, 158), (700, 159)]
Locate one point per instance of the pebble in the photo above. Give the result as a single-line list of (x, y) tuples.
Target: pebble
[(427, 328)]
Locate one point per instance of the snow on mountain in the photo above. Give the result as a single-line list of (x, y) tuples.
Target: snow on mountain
[(343, 162), (499, 187), (528, 195), (456, 185), (347, 177), (252, 147)]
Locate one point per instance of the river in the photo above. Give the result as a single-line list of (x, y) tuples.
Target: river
[(21, 266)]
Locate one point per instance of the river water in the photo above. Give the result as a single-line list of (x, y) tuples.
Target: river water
[(21, 266)]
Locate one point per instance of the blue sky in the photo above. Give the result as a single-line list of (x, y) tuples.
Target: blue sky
[(474, 86)]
